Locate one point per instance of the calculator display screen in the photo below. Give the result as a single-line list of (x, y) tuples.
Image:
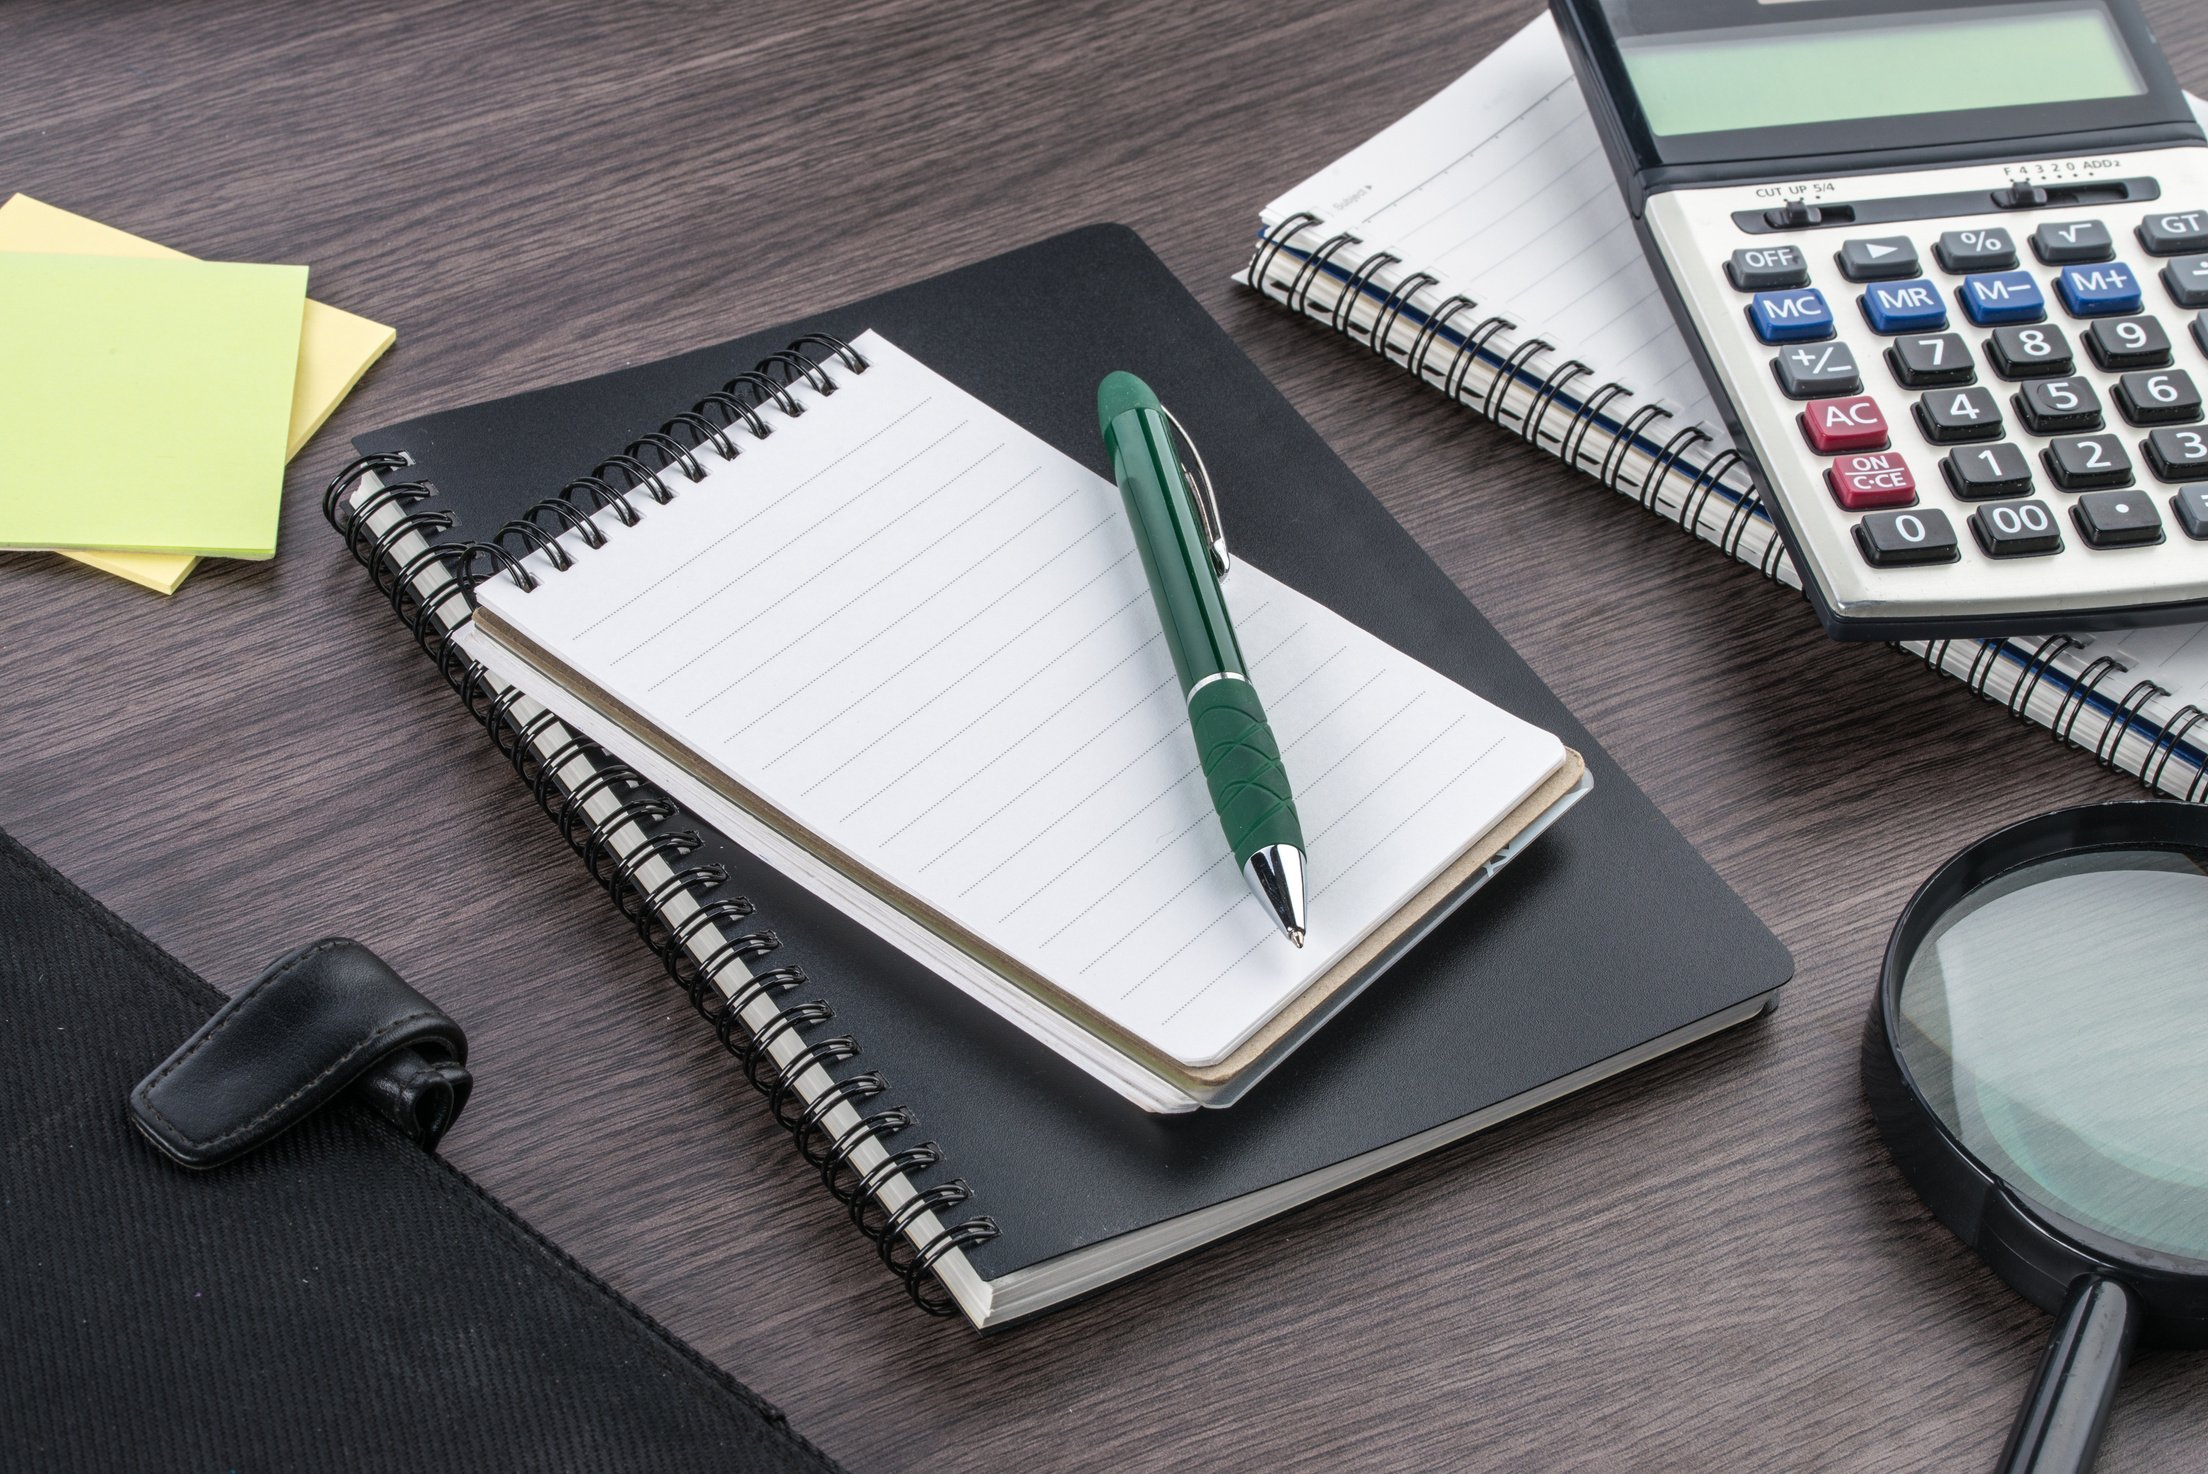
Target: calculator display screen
[(1877, 66)]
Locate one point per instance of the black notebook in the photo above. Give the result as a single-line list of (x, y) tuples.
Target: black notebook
[(992, 1178)]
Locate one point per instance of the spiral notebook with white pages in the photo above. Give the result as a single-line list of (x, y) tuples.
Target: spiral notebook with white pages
[(934, 688), (1481, 244)]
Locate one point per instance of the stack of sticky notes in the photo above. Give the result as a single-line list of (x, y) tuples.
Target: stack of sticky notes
[(149, 401)]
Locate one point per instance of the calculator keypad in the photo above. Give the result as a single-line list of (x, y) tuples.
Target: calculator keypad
[(2018, 368)]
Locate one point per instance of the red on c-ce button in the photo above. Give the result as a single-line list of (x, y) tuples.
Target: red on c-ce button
[(1864, 482), (1836, 425)]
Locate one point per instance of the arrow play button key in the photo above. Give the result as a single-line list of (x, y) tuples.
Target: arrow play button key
[(1884, 259)]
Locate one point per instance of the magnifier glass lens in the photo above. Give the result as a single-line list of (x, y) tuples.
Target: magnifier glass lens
[(2055, 1019)]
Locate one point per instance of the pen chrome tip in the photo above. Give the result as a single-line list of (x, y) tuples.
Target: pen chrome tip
[(1275, 874)]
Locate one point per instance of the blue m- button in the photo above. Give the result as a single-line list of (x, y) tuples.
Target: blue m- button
[(2001, 296)]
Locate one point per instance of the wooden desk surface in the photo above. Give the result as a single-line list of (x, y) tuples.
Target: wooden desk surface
[(1709, 1264)]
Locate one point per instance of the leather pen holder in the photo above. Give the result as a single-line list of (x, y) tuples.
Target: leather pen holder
[(330, 1020)]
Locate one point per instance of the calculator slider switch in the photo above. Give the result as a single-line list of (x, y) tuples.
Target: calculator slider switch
[(1865, 482), (1795, 214), (1834, 426), (2019, 197)]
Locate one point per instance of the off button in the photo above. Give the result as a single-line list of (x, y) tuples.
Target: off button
[(1767, 268)]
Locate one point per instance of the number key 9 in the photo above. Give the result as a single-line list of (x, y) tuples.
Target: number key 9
[(2119, 343)]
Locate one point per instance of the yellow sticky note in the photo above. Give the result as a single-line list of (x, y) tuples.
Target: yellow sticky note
[(335, 349)]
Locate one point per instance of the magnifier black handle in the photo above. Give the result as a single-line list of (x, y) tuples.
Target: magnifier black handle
[(2059, 1427)]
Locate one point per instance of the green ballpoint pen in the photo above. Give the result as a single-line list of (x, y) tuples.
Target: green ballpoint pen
[(1184, 554)]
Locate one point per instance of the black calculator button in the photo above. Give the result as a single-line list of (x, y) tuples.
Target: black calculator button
[(2161, 397), (1931, 360), (1950, 415), (2118, 519), (2060, 242), (2058, 406), (1978, 249), (1767, 268), (2087, 462), (2187, 281), (1883, 259), (1894, 539), (2029, 351), (2016, 529), (2173, 233), (2200, 330), (1817, 371), (2119, 343), (1979, 472), (2191, 506), (2178, 455)]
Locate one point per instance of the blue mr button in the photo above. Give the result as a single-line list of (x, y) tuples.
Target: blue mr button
[(1904, 307)]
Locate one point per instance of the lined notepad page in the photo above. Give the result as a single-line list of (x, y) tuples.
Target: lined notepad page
[(1499, 186), (924, 636)]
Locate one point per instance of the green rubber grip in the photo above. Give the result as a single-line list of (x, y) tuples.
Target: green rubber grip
[(1249, 786)]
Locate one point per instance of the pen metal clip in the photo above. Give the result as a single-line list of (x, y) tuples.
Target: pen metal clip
[(1207, 501)]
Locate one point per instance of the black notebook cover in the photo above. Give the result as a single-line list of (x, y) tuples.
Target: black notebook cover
[(337, 1299), (1609, 932)]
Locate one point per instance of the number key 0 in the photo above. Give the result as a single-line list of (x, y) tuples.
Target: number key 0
[(1895, 539)]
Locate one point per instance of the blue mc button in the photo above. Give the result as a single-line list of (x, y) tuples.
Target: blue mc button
[(2001, 296), (1904, 307), (2098, 291), (1798, 316)]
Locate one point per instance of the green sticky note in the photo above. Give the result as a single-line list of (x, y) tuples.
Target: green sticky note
[(145, 404)]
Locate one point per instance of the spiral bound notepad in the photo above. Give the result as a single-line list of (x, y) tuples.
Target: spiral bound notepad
[(1480, 243), (897, 644), (989, 1178)]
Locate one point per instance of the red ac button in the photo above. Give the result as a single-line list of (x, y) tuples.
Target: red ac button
[(1836, 425), (1863, 482)]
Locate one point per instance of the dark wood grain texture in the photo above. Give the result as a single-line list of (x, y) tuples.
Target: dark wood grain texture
[(1708, 1265)]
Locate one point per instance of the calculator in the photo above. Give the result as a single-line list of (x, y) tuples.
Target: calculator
[(1945, 269)]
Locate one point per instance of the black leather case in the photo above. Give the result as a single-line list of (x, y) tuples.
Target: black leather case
[(336, 1298)]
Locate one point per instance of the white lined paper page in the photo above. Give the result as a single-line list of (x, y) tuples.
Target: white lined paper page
[(1498, 185), (923, 635)]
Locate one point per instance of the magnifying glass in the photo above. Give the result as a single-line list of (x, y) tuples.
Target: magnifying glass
[(2037, 1061)]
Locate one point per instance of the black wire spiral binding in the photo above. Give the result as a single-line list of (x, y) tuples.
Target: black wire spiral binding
[(1295, 291), (616, 847)]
